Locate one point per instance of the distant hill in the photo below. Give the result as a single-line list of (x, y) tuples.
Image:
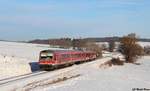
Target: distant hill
[(39, 41), (103, 39)]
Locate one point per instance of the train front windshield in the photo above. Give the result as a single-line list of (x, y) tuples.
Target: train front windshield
[(46, 56)]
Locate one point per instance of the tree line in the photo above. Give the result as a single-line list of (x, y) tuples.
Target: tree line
[(128, 46)]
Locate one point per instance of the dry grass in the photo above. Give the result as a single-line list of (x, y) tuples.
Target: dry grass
[(117, 61), (47, 82), (113, 61)]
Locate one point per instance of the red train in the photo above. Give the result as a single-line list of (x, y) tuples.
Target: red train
[(50, 59)]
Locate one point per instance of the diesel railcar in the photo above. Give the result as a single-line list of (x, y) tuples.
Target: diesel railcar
[(50, 59)]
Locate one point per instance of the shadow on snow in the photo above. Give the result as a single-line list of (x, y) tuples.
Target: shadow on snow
[(34, 66)]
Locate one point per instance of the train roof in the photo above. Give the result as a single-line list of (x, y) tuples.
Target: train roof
[(61, 51), (65, 51)]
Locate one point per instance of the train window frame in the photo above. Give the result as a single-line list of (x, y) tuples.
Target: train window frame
[(65, 55), (46, 56)]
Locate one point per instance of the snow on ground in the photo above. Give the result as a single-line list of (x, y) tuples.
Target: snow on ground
[(117, 44), (116, 78), (103, 44), (89, 77), (22, 50), (19, 58), (143, 44), (12, 66), (43, 80)]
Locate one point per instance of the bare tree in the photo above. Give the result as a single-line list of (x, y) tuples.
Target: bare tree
[(63, 42), (90, 46), (79, 43), (111, 45), (130, 49), (104, 47), (66, 42)]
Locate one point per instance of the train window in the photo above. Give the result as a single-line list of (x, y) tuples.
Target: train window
[(76, 55), (65, 55), (46, 56)]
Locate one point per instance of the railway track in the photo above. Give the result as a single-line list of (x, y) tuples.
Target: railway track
[(34, 79), (20, 77), (15, 78), (21, 81)]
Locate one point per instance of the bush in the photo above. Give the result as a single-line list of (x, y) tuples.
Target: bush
[(147, 50), (117, 61), (113, 61), (130, 49)]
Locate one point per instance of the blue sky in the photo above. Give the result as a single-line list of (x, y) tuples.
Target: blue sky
[(31, 19)]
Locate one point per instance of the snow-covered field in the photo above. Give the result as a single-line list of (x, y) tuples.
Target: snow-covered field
[(89, 77), (22, 50), (13, 66), (21, 58), (143, 44), (116, 78)]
